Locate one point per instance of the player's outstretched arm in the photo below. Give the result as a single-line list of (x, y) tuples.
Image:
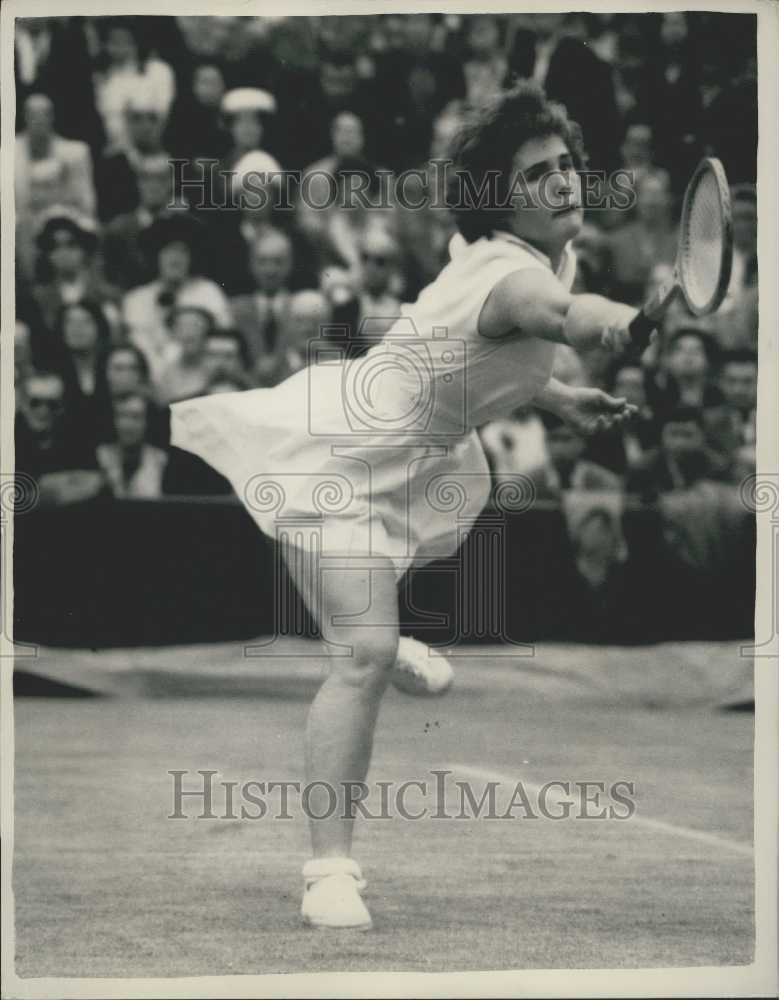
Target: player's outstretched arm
[(533, 303), (587, 410)]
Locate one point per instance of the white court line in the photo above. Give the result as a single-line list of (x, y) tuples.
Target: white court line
[(687, 832)]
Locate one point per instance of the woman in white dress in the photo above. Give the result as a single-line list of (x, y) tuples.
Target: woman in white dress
[(351, 464)]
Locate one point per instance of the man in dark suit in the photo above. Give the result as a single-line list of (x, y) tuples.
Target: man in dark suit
[(124, 261)]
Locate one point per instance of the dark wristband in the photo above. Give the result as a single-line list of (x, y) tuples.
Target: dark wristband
[(640, 331)]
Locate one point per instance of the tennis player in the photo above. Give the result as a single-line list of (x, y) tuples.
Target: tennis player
[(361, 446)]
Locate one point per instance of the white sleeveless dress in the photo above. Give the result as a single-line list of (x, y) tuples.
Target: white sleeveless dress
[(378, 455)]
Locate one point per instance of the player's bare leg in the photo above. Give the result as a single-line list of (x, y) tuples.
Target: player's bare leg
[(341, 724)]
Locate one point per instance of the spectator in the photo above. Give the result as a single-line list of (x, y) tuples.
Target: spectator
[(117, 168), (592, 259), (355, 214), (227, 356), (572, 74), (638, 154), (52, 57), (379, 306), (132, 466), (23, 352), (39, 142), (682, 459), (486, 67), (258, 209), (126, 70), (599, 549), (245, 111), (731, 426), (674, 98), (566, 468), (84, 338), (126, 371), (424, 223), (260, 315), (66, 267), (744, 270), (336, 87), (196, 127), (48, 447), (308, 312), (45, 181), (736, 328), (684, 374), (347, 138), (188, 372), (314, 207), (175, 244), (125, 263), (638, 161), (413, 83), (650, 239)]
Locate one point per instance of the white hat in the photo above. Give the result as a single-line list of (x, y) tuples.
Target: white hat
[(248, 99), (257, 162)]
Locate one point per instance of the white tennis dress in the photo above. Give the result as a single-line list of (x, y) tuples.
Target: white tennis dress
[(378, 455)]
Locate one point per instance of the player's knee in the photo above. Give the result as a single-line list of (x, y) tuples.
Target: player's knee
[(370, 661)]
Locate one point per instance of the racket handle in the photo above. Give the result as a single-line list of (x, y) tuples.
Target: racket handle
[(641, 330)]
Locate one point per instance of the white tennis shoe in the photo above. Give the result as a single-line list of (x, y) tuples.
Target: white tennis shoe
[(331, 899), (417, 672)]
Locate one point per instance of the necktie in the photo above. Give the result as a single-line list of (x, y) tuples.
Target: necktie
[(271, 326)]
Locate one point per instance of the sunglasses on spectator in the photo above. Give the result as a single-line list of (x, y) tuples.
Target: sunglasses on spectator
[(377, 259), (41, 402)]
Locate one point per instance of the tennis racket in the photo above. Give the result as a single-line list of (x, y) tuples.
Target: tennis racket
[(704, 255)]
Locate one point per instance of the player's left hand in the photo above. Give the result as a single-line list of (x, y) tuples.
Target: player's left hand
[(590, 411)]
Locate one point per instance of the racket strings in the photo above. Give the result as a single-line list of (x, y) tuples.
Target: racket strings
[(702, 242)]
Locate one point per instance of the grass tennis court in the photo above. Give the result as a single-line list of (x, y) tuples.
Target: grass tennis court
[(106, 885)]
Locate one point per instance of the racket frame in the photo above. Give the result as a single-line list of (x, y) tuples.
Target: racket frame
[(657, 305)]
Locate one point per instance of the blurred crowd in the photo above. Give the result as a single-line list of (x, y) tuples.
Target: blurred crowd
[(132, 292)]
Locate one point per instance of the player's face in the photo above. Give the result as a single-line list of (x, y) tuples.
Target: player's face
[(547, 194)]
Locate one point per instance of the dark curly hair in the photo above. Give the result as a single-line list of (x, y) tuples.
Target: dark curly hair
[(485, 148)]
